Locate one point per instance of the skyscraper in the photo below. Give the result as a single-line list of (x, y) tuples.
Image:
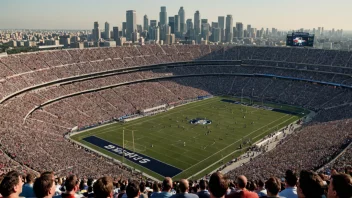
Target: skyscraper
[(215, 32), (249, 31), (164, 30), (205, 29), (197, 24), (124, 27), (96, 31), (154, 33), (221, 21), (181, 14), (115, 31), (139, 28), (153, 23), (163, 16), (107, 30), (229, 28), (172, 24), (131, 24), (145, 23), (214, 25), (177, 24), (239, 27), (190, 30)]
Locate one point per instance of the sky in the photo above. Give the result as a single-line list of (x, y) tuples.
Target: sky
[(81, 14)]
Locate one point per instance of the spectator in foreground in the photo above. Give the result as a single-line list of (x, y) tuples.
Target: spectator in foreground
[(348, 170), (44, 186), (217, 185), (242, 192), (261, 191), (142, 188), (71, 186), (11, 185), (156, 188), (273, 187), (310, 185), (166, 192), (132, 190), (340, 186), (122, 191), (290, 185), (27, 189), (203, 193), (103, 188), (184, 189)]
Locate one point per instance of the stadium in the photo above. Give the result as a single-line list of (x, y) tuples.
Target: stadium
[(57, 108)]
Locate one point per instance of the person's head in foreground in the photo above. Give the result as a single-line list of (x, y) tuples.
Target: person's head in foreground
[(184, 186), (132, 190), (217, 185), (310, 185), (44, 186), (340, 186), (11, 185), (103, 187), (273, 186), (167, 184)]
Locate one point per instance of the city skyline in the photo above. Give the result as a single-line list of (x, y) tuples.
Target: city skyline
[(35, 14)]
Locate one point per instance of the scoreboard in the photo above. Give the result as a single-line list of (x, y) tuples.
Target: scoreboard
[(300, 39)]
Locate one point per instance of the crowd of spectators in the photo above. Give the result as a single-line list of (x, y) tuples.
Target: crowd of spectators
[(308, 149), (35, 141), (306, 184)]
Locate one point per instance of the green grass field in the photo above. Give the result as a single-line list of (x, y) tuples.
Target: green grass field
[(203, 152)]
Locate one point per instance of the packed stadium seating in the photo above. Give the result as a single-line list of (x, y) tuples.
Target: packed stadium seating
[(44, 95)]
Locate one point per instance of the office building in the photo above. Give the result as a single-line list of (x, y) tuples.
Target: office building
[(153, 23), (216, 34), (197, 22), (172, 24), (177, 24), (154, 33), (131, 23), (124, 26), (205, 28), (139, 28), (145, 23), (221, 21), (239, 28), (249, 27), (116, 34), (163, 16), (164, 30), (189, 24), (169, 39), (182, 15), (229, 28), (96, 31), (107, 31)]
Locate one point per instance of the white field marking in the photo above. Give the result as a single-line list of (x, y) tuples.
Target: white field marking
[(233, 143)]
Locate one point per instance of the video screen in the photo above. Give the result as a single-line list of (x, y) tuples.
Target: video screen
[(300, 39)]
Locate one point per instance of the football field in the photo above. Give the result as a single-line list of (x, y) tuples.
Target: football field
[(168, 144)]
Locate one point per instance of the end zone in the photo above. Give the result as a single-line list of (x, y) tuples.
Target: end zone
[(152, 164)]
